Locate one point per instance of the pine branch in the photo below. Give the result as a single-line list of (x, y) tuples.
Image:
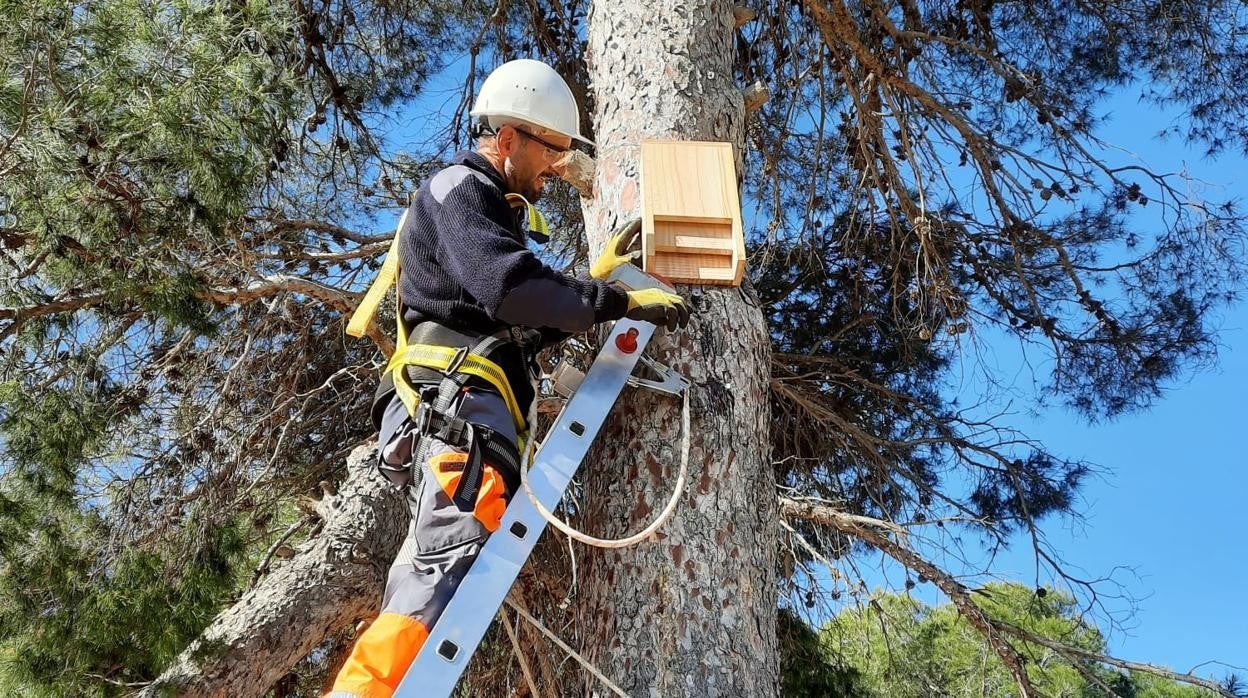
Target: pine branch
[(19, 316), (278, 283)]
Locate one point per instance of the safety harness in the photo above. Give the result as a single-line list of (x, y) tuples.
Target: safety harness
[(434, 365)]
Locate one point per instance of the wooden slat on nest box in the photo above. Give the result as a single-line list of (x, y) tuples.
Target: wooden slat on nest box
[(691, 212)]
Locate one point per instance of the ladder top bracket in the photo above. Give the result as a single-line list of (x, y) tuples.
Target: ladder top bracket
[(669, 381)]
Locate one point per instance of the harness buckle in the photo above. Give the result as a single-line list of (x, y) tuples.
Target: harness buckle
[(457, 361), (424, 418)]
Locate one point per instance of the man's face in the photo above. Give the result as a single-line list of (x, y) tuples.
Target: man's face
[(532, 160)]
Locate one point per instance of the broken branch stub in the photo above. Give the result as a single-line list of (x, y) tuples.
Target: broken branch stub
[(742, 16), (577, 168), (756, 96)]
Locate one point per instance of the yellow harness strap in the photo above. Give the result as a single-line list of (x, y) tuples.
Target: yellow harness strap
[(364, 312), (441, 358), (431, 356), (537, 222)]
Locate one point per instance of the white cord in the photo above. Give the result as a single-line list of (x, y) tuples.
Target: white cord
[(644, 533)]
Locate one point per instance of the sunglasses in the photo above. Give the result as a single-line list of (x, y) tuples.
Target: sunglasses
[(553, 151)]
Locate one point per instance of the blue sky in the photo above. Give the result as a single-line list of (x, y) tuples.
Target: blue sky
[(1164, 516), (1172, 505), (1172, 509)]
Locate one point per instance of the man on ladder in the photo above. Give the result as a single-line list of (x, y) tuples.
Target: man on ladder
[(475, 306)]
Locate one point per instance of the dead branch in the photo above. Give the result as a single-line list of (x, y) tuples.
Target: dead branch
[(756, 95), (20, 316), (1073, 653), (742, 16), (578, 169)]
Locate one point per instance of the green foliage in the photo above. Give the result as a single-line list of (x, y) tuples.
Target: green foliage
[(76, 621), (806, 670), (135, 140), (144, 132), (47, 438), (150, 155), (174, 299), (903, 648)]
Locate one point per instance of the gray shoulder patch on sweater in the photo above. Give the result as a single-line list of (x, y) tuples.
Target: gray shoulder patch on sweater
[(445, 181)]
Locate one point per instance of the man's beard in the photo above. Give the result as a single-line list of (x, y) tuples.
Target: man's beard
[(534, 192), (529, 189)]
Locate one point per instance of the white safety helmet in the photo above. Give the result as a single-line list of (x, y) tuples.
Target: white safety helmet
[(528, 91)]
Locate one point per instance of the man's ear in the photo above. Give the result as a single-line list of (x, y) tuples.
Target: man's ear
[(506, 140)]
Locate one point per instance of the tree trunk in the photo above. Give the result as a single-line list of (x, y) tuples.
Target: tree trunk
[(691, 612), (334, 579)]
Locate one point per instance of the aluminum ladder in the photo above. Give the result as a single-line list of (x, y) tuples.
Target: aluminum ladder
[(454, 638)]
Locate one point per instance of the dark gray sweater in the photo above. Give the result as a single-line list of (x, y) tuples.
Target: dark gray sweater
[(465, 262)]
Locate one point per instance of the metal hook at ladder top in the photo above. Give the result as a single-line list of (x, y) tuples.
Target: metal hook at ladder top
[(454, 638)]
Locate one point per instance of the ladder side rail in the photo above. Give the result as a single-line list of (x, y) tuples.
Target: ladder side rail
[(454, 638)]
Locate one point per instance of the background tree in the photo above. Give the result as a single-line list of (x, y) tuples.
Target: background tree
[(191, 195), (896, 645)]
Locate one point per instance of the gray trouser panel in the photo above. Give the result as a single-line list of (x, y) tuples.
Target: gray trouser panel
[(442, 541)]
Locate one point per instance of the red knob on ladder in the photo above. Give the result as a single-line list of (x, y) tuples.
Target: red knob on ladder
[(627, 342)]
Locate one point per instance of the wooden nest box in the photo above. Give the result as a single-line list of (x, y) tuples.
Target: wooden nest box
[(691, 213)]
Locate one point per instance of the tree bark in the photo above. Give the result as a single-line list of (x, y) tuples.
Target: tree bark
[(334, 579), (691, 612)]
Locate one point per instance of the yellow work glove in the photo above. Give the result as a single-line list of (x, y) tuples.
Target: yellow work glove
[(617, 252), (658, 307)]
